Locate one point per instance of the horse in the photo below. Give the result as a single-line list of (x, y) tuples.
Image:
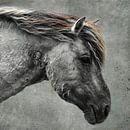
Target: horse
[(67, 50)]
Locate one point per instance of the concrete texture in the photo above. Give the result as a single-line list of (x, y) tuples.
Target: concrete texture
[(39, 108)]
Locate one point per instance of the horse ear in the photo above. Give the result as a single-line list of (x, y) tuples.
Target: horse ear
[(96, 21), (78, 25)]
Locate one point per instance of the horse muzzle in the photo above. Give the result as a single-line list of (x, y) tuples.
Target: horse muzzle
[(96, 114)]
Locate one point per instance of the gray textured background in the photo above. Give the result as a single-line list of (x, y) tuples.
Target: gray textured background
[(39, 108)]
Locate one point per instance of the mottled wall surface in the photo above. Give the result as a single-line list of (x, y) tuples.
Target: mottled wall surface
[(39, 108)]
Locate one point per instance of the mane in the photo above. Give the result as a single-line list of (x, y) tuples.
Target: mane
[(56, 26)]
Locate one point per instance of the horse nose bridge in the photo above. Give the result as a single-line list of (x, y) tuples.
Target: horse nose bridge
[(97, 83)]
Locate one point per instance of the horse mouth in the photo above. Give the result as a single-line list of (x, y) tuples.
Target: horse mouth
[(90, 116), (93, 117)]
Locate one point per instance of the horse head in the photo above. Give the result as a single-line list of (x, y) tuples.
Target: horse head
[(74, 68)]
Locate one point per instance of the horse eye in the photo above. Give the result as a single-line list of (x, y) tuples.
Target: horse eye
[(86, 59)]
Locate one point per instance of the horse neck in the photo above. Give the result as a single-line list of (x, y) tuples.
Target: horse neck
[(23, 49)]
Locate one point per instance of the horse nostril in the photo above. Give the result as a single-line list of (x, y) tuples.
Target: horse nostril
[(106, 110)]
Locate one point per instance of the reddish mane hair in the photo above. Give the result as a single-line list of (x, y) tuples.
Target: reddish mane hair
[(56, 26)]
